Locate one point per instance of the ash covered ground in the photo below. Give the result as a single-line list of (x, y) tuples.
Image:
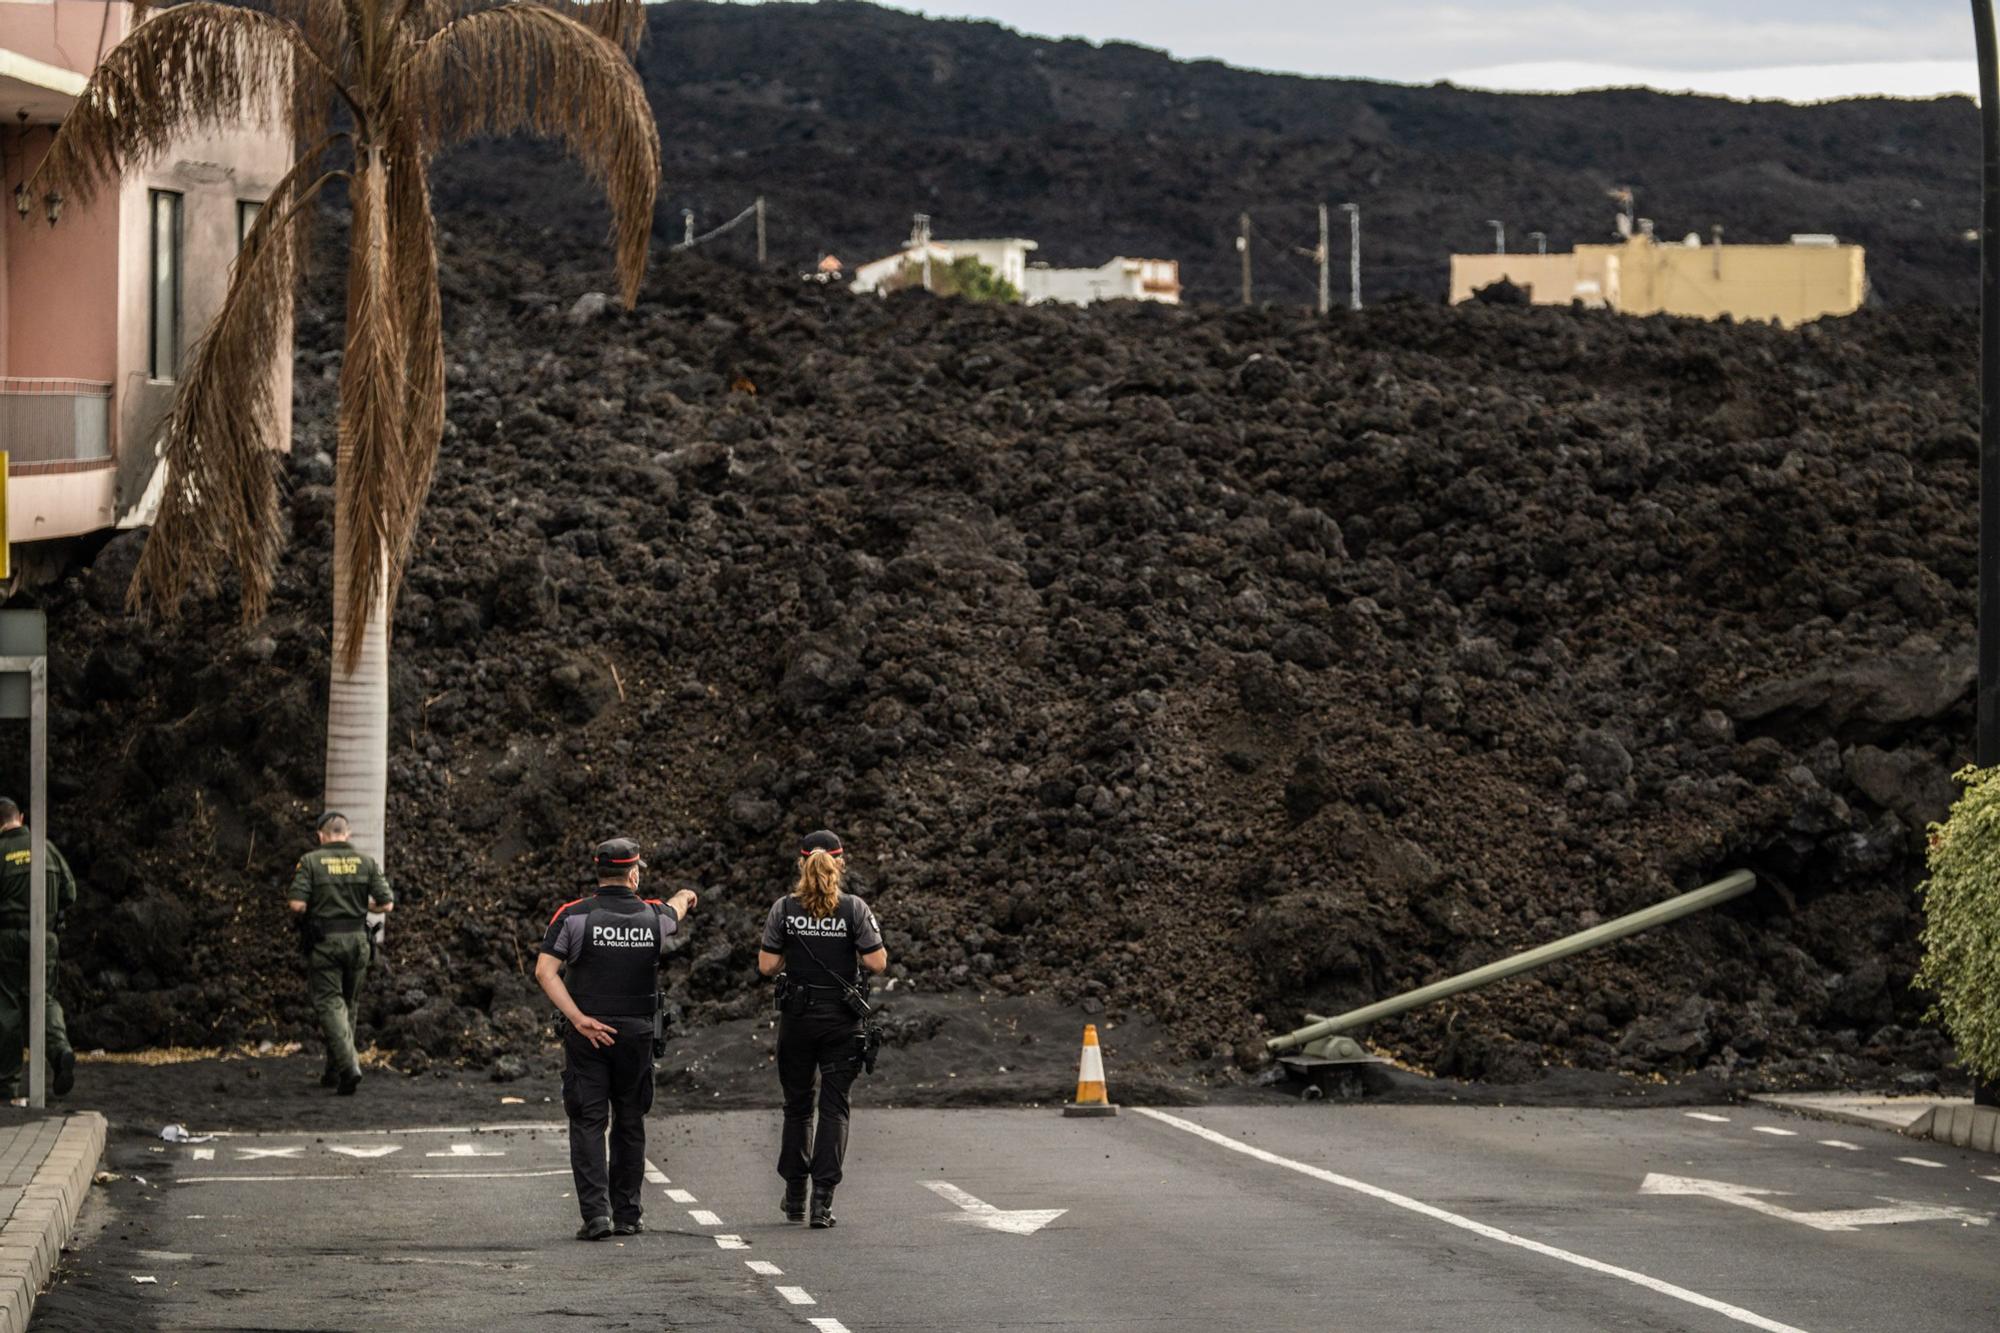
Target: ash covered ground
[(1183, 670)]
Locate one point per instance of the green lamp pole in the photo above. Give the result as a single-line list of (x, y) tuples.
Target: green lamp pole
[(1987, 750)]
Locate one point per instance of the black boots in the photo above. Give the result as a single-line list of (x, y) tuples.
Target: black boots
[(65, 1071), (636, 1227), (349, 1081), (822, 1208), (597, 1228), (795, 1201)]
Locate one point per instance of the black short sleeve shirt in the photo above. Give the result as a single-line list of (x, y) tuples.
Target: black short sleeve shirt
[(836, 940)]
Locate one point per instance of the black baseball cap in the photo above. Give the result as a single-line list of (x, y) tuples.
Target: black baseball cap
[(823, 840), (327, 817), (618, 854)]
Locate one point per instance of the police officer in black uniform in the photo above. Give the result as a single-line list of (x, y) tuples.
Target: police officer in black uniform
[(817, 939), (600, 965)]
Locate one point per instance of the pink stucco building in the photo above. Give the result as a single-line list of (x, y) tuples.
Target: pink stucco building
[(100, 308)]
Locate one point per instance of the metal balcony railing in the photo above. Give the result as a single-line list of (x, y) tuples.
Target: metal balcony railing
[(54, 420)]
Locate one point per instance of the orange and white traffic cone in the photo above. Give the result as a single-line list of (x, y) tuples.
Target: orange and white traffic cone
[(1090, 1098)]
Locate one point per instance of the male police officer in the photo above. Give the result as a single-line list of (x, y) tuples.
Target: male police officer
[(334, 889), (15, 873), (600, 964)]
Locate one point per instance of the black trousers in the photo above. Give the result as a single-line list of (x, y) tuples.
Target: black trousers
[(608, 1086), (824, 1040)]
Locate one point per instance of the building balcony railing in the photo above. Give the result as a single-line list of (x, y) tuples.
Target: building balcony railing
[(54, 420)]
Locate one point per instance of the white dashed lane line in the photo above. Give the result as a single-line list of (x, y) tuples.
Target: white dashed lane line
[(1703, 1115), (1841, 1144), (761, 1267), (1774, 1130), (1921, 1161)]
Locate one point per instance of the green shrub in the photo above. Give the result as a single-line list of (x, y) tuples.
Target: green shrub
[(1962, 922)]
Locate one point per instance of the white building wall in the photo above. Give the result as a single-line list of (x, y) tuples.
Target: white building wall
[(1118, 279), (1007, 256)]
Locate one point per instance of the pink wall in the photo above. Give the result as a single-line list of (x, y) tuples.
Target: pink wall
[(65, 33), (59, 295)]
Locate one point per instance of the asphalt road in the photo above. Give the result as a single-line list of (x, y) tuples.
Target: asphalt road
[(1241, 1218)]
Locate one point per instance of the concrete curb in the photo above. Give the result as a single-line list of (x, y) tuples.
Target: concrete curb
[(1974, 1127), (1875, 1119), (31, 1240)]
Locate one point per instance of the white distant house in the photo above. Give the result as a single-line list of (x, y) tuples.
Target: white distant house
[(1007, 256), (1119, 279)]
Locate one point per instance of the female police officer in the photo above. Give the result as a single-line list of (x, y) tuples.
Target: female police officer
[(819, 938)]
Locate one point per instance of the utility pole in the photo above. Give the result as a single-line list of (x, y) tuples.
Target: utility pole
[(1325, 258), (1353, 212), (1987, 749), (1243, 249), (1499, 235), (1541, 240), (760, 231)]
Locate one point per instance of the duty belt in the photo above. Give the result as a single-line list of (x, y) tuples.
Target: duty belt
[(343, 925)]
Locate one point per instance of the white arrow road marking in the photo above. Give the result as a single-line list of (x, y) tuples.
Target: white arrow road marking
[(1015, 1222), (383, 1151), (203, 1154), (1835, 1219), (248, 1154), (469, 1150)]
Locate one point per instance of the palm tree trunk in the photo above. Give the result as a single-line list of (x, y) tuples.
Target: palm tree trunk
[(357, 720)]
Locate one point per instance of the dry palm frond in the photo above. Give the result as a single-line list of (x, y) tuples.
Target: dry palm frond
[(413, 283), (194, 68), (220, 505), (524, 67), (368, 472)]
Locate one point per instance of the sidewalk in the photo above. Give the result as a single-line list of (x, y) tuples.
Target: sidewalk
[(46, 1164)]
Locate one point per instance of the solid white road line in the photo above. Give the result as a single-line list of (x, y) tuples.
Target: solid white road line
[(1703, 1115), (796, 1295), (680, 1196), (703, 1218), (1841, 1144), (1921, 1161), (1723, 1308), (764, 1268), (1773, 1129)]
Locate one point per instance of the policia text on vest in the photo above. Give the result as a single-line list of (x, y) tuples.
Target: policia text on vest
[(333, 890), (600, 965)]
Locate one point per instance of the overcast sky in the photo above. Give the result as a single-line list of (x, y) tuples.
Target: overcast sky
[(1802, 50)]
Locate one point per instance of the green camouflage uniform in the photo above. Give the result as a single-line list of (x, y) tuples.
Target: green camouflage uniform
[(336, 883), (15, 854)]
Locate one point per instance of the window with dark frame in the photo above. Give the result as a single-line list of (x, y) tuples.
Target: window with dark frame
[(246, 218), (163, 360)]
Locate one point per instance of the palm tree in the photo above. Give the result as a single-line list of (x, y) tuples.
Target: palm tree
[(369, 91)]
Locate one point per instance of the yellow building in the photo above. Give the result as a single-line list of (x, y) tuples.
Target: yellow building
[(1811, 277)]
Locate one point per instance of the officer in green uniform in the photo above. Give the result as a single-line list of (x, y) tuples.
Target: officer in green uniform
[(15, 856), (334, 890)]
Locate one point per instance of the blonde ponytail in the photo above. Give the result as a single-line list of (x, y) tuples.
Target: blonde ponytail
[(819, 882)]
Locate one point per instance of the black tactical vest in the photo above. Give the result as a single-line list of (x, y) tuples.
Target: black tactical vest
[(616, 968)]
